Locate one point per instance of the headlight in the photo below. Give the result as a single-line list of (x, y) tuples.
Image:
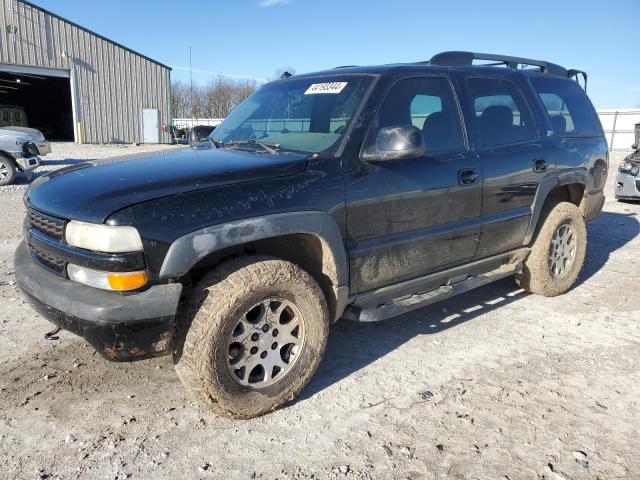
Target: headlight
[(117, 282), (103, 238), (634, 170)]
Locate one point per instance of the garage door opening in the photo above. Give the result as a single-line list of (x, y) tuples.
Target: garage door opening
[(45, 101)]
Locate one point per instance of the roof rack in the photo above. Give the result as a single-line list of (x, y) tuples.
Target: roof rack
[(456, 58)]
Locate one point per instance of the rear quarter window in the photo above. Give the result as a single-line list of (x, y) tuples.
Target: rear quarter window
[(568, 107)]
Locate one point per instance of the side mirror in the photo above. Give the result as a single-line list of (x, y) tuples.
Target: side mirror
[(396, 143), (635, 146)]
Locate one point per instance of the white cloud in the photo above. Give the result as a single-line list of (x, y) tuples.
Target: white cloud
[(273, 3)]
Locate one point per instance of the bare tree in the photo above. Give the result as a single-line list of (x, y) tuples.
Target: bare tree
[(216, 99), (180, 99)]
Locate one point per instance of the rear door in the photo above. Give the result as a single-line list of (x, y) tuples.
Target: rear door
[(514, 159), (407, 218), (578, 139)]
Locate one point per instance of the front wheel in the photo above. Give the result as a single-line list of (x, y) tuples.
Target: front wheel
[(258, 331), (557, 253), (7, 171)]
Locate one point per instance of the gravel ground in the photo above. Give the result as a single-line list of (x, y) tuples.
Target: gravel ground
[(491, 384)]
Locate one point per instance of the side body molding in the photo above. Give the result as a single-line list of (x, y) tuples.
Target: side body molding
[(190, 249)]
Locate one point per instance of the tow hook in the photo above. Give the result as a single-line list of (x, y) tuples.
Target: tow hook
[(52, 335)]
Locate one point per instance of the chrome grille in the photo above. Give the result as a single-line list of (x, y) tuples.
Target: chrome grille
[(51, 226)]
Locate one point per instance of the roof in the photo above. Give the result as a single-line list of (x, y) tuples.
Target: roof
[(119, 45)]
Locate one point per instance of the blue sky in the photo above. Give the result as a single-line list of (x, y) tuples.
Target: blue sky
[(252, 38)]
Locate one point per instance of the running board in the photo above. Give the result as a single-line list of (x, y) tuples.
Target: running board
[(419, 300)]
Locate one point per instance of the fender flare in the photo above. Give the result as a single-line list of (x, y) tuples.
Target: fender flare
[(185, 252), (546, 186)]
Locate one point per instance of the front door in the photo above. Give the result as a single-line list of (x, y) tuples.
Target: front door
[(407, 218)]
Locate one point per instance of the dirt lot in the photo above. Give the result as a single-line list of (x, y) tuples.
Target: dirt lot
[(491, 384)]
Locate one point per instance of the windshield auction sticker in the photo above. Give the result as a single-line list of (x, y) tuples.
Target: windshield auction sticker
[(331, 87)]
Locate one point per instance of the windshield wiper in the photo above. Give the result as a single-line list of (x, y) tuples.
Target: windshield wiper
[(271, 148)]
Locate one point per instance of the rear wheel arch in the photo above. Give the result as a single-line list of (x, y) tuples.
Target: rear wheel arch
[(551, 192)]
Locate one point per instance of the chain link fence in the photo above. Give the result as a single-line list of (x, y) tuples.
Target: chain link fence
[(620, 127)]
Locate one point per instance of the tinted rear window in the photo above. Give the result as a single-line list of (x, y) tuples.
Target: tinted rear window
[(568, 107)]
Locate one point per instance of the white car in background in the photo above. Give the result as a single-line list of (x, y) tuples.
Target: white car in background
[(18, 153), (43, 146)]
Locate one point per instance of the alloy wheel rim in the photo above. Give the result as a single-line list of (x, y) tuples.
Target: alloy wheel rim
[(266, 343), (562, 251), (4, 171)]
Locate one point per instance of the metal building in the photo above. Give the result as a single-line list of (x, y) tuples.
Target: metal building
[(77, 85)]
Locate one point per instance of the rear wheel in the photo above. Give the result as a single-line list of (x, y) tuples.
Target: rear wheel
[(557, 253), (7, 171), (258, 331)]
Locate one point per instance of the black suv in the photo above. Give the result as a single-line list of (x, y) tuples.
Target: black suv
[(357, 192)]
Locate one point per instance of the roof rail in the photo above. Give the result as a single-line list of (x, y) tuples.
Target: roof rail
[(458, 58), (467, 58)]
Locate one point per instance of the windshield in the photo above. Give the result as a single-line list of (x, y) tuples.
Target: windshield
[(303, 115)]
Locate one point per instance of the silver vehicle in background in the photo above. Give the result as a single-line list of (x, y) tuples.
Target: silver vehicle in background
[(18, 153), (628, 179), (44, 147)]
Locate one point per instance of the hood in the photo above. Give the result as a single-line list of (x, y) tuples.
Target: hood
[(36, 134), (9, 133), (91, 192)]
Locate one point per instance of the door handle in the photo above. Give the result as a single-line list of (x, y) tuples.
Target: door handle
[(540, 165), (468, 177)]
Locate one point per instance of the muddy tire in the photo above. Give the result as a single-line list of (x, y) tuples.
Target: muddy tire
[(256, 331), (557, 252), (7, 171)]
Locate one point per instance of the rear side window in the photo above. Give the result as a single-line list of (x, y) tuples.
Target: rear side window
[(501, 113), (428, 104), (568, 107)]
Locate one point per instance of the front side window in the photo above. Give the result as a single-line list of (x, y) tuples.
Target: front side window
[(568, 107), (428, 104), (501, 113), (309, 115)]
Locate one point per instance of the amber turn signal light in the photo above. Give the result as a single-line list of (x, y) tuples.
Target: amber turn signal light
[(122, 282)]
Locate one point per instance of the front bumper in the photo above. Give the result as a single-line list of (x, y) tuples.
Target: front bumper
[(26, 164), (120, 327), (627, 186), (44, 148)]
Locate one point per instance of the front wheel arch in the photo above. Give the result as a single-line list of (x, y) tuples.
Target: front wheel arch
[(266, 235), (10, 169)]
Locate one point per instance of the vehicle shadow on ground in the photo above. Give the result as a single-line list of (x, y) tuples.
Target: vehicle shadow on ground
[(610, 232), (352, 346)]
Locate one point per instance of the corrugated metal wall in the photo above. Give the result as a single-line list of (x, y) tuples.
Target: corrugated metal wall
[(112, 83)]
